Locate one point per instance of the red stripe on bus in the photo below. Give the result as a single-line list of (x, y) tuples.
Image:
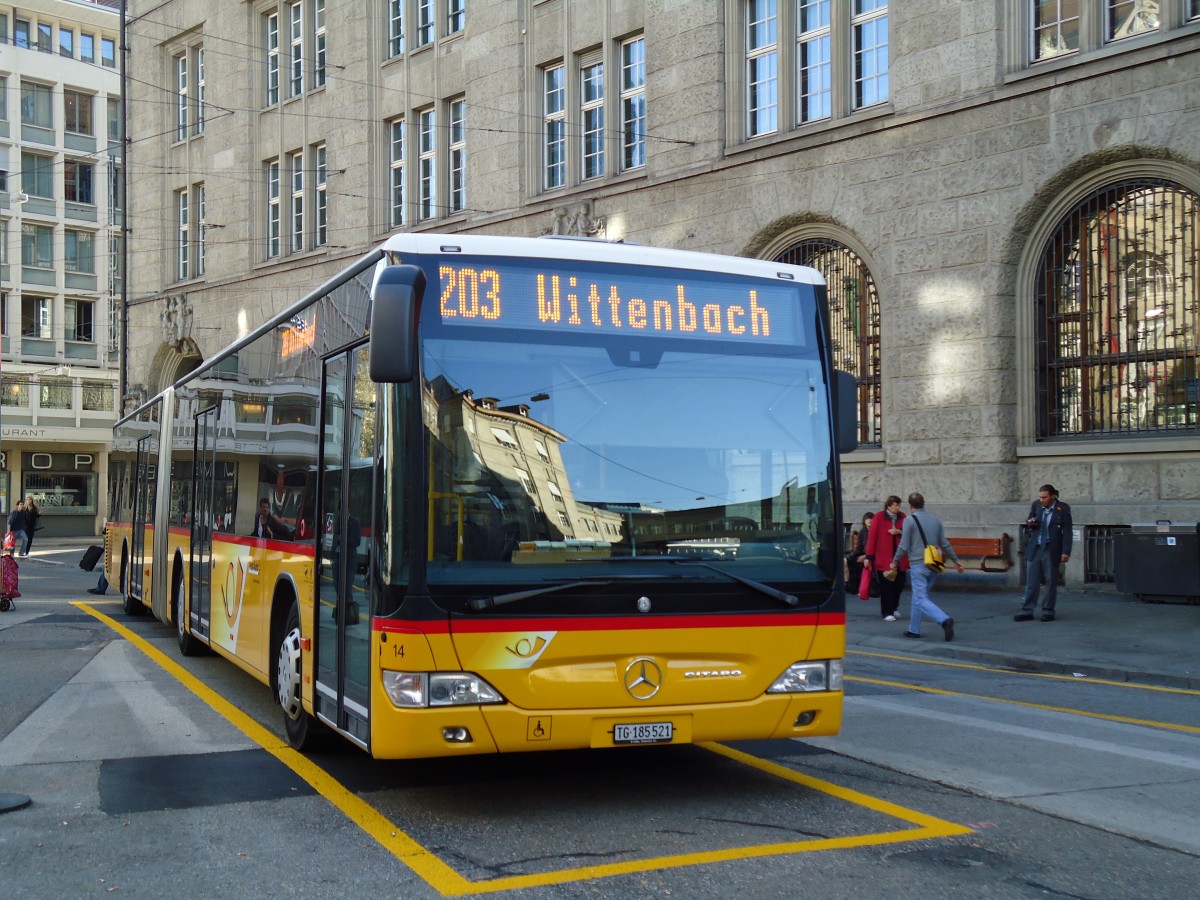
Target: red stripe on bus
[(610, 623)]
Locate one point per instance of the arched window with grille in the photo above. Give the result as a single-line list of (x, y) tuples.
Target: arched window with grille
[(853, 321), (1116, 314)]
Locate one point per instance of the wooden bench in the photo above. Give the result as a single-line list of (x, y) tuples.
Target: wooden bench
[(993, 553)]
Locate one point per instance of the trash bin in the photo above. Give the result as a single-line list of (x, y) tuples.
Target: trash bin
[(1159, 560)]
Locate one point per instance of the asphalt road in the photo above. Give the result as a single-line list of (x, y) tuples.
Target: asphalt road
[(150, 775)]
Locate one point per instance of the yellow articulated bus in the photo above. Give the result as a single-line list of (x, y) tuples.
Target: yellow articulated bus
[(483, 494)]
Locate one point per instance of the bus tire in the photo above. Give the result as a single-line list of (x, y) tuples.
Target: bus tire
[(188, 645), (301, 728), (132, 607)]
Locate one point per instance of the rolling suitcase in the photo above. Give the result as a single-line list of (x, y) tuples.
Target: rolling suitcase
[(91, 556)]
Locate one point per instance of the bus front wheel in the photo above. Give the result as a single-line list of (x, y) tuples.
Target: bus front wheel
[(188, 645), (302, 729)]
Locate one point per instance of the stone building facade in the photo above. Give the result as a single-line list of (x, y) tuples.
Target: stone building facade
[(1002, 195)]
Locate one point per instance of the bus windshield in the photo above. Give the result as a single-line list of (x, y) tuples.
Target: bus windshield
[(560, 455)]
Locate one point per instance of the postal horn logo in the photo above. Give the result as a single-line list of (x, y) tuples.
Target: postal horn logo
[(643, 678)]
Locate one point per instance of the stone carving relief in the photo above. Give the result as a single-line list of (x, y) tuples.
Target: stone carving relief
[(176, 320), (578, 219)]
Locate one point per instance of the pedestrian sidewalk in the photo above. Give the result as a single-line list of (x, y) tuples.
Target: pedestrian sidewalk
[(1097, 634)]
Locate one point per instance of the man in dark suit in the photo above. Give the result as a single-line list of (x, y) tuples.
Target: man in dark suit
[(1049, 545), (267, 526)]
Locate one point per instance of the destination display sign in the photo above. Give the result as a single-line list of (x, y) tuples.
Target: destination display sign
[(619, 300)]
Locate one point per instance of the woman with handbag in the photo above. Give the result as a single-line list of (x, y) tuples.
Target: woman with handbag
[(881, 547), (858, 574)]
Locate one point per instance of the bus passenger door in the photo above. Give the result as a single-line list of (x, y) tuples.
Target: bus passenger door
[(343, 608), (143, 516), (204, 469)]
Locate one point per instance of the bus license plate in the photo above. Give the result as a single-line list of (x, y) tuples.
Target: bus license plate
[(642, 733)]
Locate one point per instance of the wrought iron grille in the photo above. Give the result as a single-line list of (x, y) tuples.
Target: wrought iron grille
[(1117, 299), (853, 322)]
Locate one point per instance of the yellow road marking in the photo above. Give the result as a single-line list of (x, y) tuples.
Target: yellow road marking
[(448, 882), (1171, 726), (1003, 671)]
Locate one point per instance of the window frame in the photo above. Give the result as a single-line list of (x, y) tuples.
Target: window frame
[(397, 176), (37, 245), (296, 182), (634, 105), (824, 61), (82, 326), (40, 114), (183, 236), (76, 262), (321, 196), (427, 163), (79, 182), (274, 224), (554, 127), (457, 153), (271, 46)]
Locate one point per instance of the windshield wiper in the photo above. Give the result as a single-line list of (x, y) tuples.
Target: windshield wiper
[(781, 596), (479, 604)]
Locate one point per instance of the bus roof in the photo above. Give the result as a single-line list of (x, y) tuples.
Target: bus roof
[(596, 250)]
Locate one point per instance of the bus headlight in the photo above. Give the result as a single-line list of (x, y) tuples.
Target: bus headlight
[(802, 677), (416, 690)]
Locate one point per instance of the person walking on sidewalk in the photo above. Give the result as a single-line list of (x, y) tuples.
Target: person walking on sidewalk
[(1050, 531), (881, 550), (920, 529), (32, 516), (18, 525)]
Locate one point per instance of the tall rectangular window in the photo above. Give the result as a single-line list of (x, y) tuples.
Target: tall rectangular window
[(395, 27), (273, 211), (4, 98), (554, 111), (80, 320), (79, 251), (296, 49), (427, 164), (66, 42), (108, 53), (426, 24), (396, 172), (762, 67), (296, 176), (458, 155), (1055, 28), (183, 236), (77, 112), (200, 100), (77, 181), (37, 246), (271, 38), (319, 42), (36, 318), (45, 37), (21, 33), (633, 103), (87, 47), (37, 105), (114, 119), (591, 96), (201, 231), (321, 237), (37, 175), (456, 16), (813, 61), (869, 25), (181, 97)]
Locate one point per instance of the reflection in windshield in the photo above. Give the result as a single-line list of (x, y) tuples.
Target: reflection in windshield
[(548, 455)]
